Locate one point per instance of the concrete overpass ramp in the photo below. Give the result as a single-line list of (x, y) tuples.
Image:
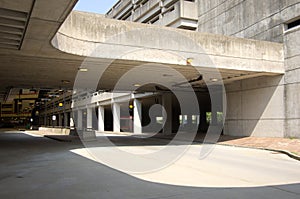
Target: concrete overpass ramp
[(122, 45)]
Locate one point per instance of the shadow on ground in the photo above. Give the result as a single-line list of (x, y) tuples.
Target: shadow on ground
[(37, 167)]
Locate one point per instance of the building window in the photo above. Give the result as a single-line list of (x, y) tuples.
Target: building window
[(293, 24)]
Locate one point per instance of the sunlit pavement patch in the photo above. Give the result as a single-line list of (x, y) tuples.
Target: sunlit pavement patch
[(225, 167)]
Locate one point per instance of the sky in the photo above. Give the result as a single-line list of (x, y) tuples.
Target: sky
[(97, 6)]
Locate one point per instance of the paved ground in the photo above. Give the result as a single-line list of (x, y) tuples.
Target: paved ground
[(291, 145), (38, 167)]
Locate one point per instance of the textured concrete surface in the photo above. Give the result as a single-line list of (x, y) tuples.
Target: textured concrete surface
[(262, 20)]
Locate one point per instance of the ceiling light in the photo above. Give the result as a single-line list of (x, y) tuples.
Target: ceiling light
[(83, 69), (136, 85), (65, 81), (189, 60), (214, 79)]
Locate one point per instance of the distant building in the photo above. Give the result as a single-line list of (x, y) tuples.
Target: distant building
[(173, 13)]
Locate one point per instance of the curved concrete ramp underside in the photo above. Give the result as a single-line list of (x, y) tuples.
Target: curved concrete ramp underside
[(127, 43), (224, 167)]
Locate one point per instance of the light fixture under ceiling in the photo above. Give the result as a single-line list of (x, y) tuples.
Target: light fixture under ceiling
[(83, 69), (136, 85)]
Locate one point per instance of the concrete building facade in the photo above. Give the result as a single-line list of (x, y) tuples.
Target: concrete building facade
[(173, 13), (260, 106)]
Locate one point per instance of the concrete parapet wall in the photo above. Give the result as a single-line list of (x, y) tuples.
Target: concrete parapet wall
[(59, 131), (83, 32)]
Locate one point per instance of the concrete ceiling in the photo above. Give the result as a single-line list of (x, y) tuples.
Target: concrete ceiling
[(27, 58)]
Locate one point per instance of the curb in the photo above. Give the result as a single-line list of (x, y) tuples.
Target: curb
[(288, 153), (57, 139)]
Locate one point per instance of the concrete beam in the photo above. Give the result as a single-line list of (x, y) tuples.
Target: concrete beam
[(7, 13), (12, 30), (12, 23)]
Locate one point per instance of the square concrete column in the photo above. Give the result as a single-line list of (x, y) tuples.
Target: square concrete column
[(66, 119), (214, 117), (60, 119), (116, 116), (137, 116), (79, 120), (189, 122), (167, 114), (101, 118), (89, 118)]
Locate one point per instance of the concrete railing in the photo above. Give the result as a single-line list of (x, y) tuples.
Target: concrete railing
[(82, 32), (59, 131)]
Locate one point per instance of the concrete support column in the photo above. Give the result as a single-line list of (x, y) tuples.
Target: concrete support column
[(66, 119), (71, 122), (45, 119), (89, 118), (101, 118), (116, 117), (60, 119), (137, 116), (167, 114), (214, 117), (189, 122), (203, 123), (79, 120)]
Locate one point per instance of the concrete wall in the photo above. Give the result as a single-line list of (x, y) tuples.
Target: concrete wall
[(266, 106), (255, 107), (256, 19)]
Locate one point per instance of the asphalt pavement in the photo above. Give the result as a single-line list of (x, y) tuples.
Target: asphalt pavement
[(38, 167)]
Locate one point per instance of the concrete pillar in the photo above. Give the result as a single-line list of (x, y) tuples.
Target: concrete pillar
[(45, 119), (189, 122), (89, 118), (167, 115), (60, 119), (214, 117), (79, 120), (66, 119), (116, 117), (137, 116), (71, 122), (101, 118)]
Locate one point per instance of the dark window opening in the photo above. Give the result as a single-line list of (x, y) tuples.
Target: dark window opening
[(293, 24), (154, 20)]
